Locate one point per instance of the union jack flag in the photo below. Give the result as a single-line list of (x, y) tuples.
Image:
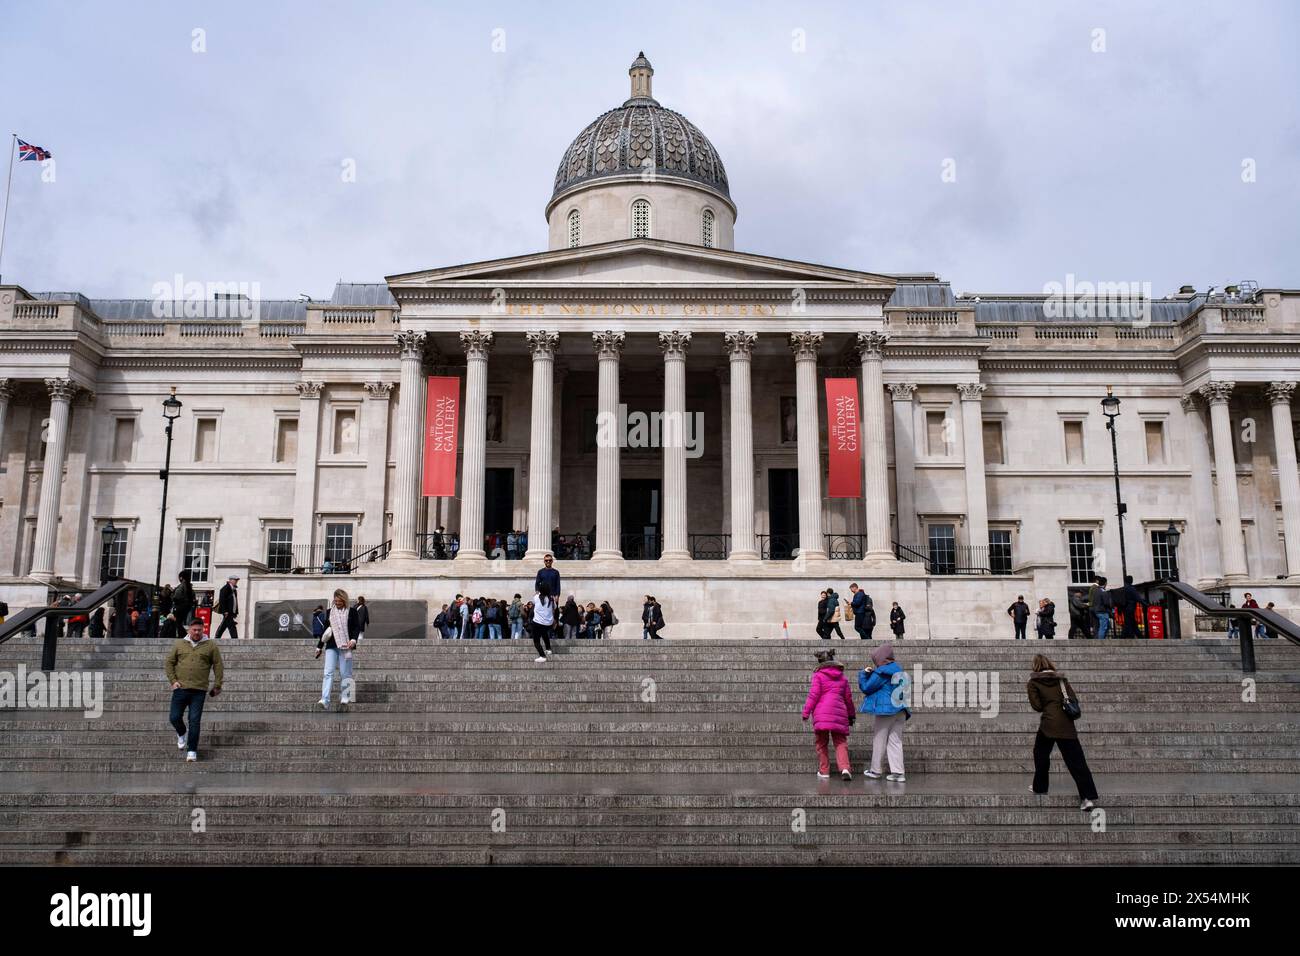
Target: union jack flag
[(26, 151)]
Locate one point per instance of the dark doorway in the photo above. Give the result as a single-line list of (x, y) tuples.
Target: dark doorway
[(498, 501), (782, 512), (641, 514)]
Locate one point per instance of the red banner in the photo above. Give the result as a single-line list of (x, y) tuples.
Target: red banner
[(844, 434), (441, 427)]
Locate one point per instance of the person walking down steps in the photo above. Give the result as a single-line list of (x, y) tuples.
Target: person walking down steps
[(830, 704), (1051, 695), (338, 642), (542, 623), (192, 661)]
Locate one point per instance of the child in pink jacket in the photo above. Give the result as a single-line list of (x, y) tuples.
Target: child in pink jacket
[(830, 702)]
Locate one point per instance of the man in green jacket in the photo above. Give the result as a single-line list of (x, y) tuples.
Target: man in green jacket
[(189, 664)]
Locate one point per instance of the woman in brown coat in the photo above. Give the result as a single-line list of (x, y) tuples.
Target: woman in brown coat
[(1047, 689)]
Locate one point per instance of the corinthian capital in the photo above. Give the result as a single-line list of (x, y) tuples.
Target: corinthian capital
[(61, 389), (970, 391), (806, 344), (902, 391), (6, 389), (1188, 402), (542, 343), (1216, 393), (871, 345), (476, 343), (379, 390), (1279, 393), (410, 344), (308, 389), (674, 344), (608, 344), (740, 345)]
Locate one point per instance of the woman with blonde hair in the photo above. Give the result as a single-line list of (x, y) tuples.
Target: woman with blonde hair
[(338, 642), (1051, 695)]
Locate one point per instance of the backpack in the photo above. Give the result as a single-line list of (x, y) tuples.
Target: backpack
[(478, 616), (441, 620)]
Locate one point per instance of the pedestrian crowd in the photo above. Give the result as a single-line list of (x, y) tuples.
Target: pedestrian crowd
[(857, 609)]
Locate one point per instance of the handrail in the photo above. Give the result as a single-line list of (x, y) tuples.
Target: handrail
[(1208, 606), (27, 618)]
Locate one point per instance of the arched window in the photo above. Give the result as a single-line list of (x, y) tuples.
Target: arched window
[(575, 228), (641, 219), (706, 228)]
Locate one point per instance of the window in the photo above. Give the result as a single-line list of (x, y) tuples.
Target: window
[(279, 549), (993, 444), (943, 549), (338, 542), (1162, 556), (575, 228), (1155, 433), (198, 553), (1000, 550), (936, 434), (112, 558), (641, 219), (345, 431), (1080, 557), (123, 439), (1073, 443), (706, 228), (205, 439), (286, 439)]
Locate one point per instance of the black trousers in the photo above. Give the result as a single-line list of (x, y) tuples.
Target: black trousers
[(1020, 630), (1075, 762), (228, 621), (833, 626), (541, 635), (1130, 623), (860, 625)]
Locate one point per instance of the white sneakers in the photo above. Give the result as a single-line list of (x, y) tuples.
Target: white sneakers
[(871, 774), (191, 757), (846, 774), (324, 704), (180, 743), (823, 776), (549, 652), (1086, 805), (896, 778), (539, 660)]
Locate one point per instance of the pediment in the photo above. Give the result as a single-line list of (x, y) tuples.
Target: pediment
[(641, 263)]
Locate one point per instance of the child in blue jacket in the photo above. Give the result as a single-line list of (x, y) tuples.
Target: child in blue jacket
[(885, 686)]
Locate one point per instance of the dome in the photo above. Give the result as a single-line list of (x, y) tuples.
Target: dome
[(626, 140)]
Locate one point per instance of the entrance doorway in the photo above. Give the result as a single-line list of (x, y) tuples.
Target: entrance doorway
[(782, 512), (641, 516), (498, 501)]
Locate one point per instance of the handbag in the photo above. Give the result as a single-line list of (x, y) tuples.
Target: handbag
[(1071, 707)]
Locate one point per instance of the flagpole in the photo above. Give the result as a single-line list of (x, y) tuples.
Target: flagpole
[(9, 182)]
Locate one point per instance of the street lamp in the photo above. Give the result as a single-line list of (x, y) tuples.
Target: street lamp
[(1110, 408), (1172, 537), (109, 534), (171, 412)]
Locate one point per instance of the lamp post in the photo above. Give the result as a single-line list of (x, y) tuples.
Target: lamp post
[(109, 535), (1172, 537), (171, 412), (1110, 408)]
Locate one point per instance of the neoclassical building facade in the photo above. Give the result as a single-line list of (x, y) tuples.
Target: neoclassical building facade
[(651, 401)]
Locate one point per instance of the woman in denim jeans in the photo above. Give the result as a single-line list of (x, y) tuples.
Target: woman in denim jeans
[(338, 642), (515, 614)]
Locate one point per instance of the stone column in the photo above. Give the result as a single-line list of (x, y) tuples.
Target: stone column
[(6, 393), (805, 346), (410, 445), (378, 395), (744, 545), (871, 349), (559, 373), (609, 517), (1204, 541), (305, 473), (673, 435), (47, 513), (477, 343), (1231, 544), (1288, 477), (542, 344), (977, 502), (905, 461)]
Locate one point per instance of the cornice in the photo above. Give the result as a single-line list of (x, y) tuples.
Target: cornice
[(780, 293), (1108, 362), (202, 361)]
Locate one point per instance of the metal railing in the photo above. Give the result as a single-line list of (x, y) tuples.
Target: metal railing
[(435, 546), (846, 547), (26, 619), (778, 547), (709, 547), (324, 558), (946, 559), (573, 546), (641, 546), (1209, 605)]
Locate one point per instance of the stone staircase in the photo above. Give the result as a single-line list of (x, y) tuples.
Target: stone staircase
[(637, 752)]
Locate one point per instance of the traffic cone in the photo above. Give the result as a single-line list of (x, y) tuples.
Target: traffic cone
[(785, 629)]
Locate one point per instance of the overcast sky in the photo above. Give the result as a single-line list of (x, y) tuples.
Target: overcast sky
[(1124, 164)]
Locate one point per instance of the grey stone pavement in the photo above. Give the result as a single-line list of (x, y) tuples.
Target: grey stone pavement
[(187, 779)]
